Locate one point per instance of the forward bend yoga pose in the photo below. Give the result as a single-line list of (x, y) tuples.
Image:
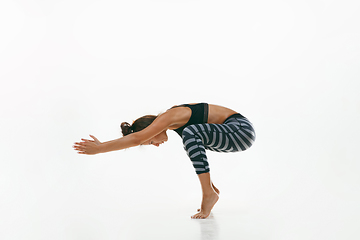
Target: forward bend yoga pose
[(202, 126)]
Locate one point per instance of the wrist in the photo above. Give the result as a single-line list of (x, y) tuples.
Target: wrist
[(100, 148)]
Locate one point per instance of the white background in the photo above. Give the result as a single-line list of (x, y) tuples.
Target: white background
[(72, 68)]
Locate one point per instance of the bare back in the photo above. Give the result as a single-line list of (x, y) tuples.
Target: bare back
[(217, 114)]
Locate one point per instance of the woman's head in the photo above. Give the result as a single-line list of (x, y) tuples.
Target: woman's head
[(138, 125)]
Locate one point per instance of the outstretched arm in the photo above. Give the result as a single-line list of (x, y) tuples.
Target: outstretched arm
[(160, 124), (95, 146)]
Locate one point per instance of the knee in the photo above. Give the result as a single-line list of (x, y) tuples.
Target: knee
[(188, 133)]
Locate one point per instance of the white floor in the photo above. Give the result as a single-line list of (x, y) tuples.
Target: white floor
[(281, 219), (101, 197)]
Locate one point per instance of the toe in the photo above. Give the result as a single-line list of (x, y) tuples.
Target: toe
[(196, 216)]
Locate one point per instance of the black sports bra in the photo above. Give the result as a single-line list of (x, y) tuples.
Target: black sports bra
[(199, 114)]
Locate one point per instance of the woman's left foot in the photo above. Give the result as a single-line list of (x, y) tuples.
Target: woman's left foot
[(215, 189), (207, 204)]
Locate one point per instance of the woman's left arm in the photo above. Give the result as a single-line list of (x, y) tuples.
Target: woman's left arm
[(160, 124), (92, 147)]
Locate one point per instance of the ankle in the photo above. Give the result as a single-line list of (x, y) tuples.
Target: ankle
[(209, 193)]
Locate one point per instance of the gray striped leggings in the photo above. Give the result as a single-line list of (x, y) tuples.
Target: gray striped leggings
[(235, 134)]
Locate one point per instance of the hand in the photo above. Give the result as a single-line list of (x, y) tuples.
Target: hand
[(88, 146)]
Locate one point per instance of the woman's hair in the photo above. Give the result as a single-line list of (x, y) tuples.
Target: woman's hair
[(138, 125)]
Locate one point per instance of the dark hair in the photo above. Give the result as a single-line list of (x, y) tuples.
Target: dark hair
[(138, 125)]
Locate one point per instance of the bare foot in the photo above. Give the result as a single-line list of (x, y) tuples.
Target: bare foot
[(207, 204), (216, 190)]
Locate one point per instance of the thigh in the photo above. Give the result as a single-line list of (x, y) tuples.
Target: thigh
[(232, 136)]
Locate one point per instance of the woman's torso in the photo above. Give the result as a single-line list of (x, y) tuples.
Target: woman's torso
[(216, 114)]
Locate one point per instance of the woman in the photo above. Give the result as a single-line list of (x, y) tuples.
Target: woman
[(201, 126)]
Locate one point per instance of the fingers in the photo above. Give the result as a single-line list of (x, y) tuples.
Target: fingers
[(93, 137), (96, 141), (80, 150), (87, 140), (80, 147), (82, 143), (86, 147)]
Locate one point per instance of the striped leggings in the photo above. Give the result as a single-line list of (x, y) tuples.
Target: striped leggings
[(235, 134)]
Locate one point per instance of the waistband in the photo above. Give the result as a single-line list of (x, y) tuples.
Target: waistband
[(236, 115)]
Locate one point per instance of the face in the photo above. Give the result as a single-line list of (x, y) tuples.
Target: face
[(158, 139)]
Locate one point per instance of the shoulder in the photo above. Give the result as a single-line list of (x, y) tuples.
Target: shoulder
[(175, 116), (175, 113)]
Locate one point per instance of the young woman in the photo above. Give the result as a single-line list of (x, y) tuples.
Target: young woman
[(202, 126)]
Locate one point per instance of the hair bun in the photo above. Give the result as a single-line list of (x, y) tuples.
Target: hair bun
[(126, 128)]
